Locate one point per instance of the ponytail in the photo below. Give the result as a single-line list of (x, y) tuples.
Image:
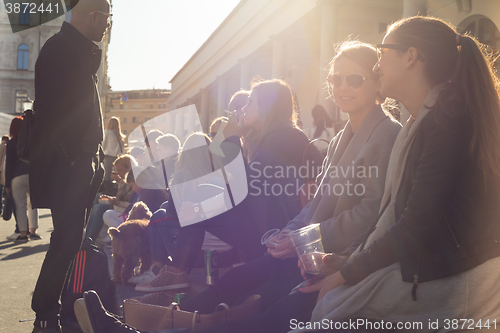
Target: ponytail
[(479, 87)]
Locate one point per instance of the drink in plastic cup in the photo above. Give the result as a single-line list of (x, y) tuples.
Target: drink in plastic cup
[(307, 243), (311, 257), (305, 235)]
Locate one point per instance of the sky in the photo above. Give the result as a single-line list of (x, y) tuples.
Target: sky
[(152, 39)]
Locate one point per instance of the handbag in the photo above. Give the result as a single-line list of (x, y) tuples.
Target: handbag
[(8, 207), (148, 317), (25, 136)]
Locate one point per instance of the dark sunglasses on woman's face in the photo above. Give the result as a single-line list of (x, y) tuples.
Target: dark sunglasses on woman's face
[(353, 80)]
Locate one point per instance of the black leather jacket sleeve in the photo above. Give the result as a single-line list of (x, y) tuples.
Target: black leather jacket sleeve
[(432, 170)]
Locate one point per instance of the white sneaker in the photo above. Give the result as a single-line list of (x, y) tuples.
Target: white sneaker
[(144, 278), (13, 236)]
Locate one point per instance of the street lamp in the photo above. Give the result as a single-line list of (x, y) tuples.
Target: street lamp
[(27, 104)]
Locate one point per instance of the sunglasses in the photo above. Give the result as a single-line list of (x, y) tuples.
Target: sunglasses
[(353, 80), (108, 15), (399, 47)]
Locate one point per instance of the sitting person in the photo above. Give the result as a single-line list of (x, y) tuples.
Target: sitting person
[(366, 141), (123, 166), (270, 116), (434, 255), (191, 164)]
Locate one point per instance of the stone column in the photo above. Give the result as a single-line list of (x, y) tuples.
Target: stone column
[(278, 57), (245, 74), (204, 116), (329, 22), (221, 95), (414, 7)]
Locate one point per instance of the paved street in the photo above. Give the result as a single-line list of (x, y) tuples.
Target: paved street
[(19, 268)]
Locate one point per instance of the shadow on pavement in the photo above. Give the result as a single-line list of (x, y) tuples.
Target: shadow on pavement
[(25, 251)]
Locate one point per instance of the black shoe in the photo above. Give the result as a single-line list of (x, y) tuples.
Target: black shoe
[(21, 239), (46, 330), (96, 318)]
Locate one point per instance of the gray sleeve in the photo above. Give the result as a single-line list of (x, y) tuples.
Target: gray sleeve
[(338, 232)]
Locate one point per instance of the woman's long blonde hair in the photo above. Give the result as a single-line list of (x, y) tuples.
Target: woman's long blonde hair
[(114, 125)]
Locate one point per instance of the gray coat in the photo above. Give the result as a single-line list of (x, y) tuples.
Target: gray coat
[(351, 183)]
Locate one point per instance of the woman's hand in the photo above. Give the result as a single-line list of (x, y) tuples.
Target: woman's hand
[(232, 128), (328, 283), (284, 248), (7, 189)]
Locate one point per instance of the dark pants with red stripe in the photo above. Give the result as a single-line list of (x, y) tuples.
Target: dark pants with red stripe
[(78, 189)]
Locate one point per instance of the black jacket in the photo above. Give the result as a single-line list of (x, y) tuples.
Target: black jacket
[(13, 165), (68, 115), (447, 217)]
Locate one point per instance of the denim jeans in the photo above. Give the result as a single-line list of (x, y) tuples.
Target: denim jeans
[(162, 236), (95, 222)]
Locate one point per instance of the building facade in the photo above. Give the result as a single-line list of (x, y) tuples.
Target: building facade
[(18, 54), (133, 108), (294, 40)]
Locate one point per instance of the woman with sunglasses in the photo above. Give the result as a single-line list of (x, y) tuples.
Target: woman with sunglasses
[(433, 257), (365, 142)]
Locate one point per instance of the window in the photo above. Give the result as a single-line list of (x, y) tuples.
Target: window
[(162, 106), (136, 106), (151, 106), (23, 54), (136, 119), (124, 120), (68, 14), (124, 132), (24, 14), (21, 96)]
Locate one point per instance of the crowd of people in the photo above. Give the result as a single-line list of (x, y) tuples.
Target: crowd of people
[(407, 212), (424, 230)]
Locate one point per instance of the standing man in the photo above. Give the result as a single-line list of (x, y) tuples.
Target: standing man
[(64, 164)]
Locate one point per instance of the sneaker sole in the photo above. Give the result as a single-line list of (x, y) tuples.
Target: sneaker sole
[(153, 289), (82, 315)]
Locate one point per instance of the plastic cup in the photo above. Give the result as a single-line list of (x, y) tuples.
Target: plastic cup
[(307, 243), (311, 257), (266, 239), (305, 235)]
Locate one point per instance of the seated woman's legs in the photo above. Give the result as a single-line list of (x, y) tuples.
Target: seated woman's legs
[(113, 218), (235, 227), (277, 319), (95, 223), (163, 236), (235, 286)]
